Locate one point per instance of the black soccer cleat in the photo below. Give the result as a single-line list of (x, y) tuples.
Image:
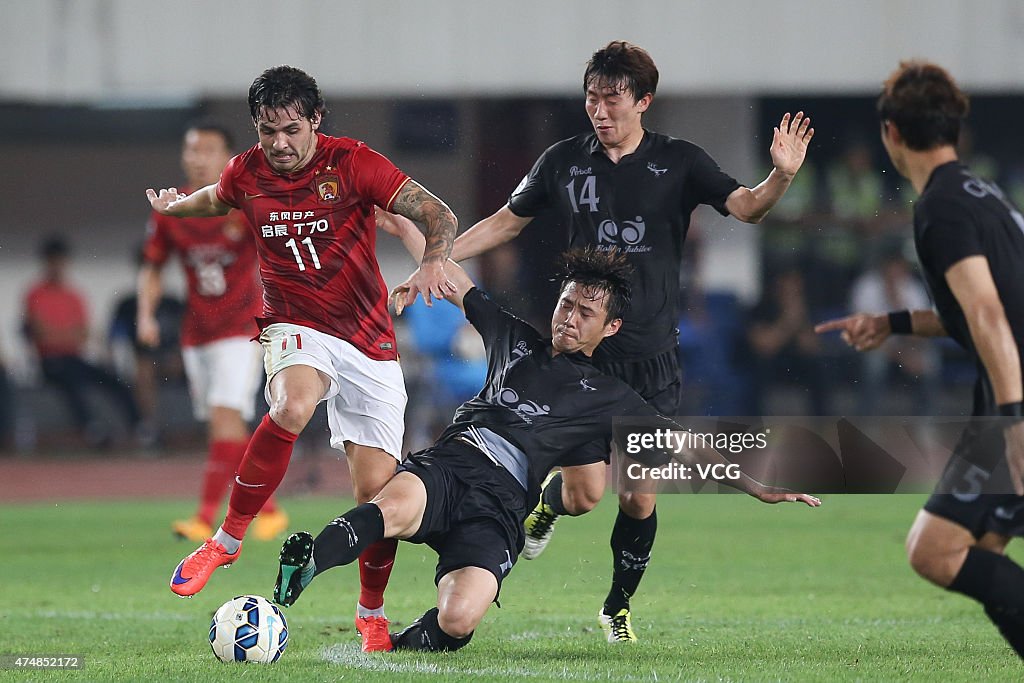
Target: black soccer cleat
[(296, 568)]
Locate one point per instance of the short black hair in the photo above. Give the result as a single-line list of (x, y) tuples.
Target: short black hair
[(623, 66), (607, 270), (284, 86), (54, 246), (212, 126), (925, 104)]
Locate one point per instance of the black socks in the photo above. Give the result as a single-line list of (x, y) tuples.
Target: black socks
[(632, 540), (344, 539), (426, 634), (552, 495), (997, 582)]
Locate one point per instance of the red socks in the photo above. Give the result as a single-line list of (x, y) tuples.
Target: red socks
[(259, 474), (375, 566), (221, 465)]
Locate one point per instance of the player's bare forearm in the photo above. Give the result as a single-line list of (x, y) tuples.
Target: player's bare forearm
[(751, 205), (926, 323), (417, 204), (404, 229), (201, 203), (993, 338), (970, 280), (149, 289), (498, 228)]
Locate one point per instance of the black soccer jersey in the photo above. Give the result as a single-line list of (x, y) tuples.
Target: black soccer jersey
[(641, 205), (545, 405), (960, 215)]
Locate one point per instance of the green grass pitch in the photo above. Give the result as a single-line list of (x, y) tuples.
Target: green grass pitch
[(736, 591)]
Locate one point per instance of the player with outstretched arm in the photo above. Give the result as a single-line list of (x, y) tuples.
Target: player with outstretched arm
[(970, 243), (312, 201)]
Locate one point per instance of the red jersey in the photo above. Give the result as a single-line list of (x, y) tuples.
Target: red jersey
[(316, 237), (219, 258), (60, 315)]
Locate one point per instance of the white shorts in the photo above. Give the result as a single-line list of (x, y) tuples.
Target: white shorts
[(366, 400), (223, 374)]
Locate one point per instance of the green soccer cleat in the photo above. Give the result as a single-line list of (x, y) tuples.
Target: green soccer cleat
[(539, 525), (617, 628), (296, 570)]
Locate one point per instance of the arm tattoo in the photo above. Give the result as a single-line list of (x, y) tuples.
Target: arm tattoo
[(415, 203)]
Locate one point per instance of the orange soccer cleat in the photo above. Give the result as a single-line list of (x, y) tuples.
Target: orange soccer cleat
[(374, 631), (194, 571)]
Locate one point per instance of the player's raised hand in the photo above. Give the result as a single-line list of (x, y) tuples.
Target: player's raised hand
[(429, 281), (163, 201), (399, 297), (862, 331), (789, 142)]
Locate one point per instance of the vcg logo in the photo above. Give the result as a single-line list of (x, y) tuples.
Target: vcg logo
[(629, 236)]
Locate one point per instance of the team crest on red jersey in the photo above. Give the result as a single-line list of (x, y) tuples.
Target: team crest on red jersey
[(328, 187)]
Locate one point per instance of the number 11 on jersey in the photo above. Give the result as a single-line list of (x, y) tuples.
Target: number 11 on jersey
[(291, 244)]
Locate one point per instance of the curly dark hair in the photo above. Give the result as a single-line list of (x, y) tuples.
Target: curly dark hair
[(284, 86), (925, 104), (623, 66), (607, 271)]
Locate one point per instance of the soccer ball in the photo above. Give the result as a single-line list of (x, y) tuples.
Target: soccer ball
[(248, 629)]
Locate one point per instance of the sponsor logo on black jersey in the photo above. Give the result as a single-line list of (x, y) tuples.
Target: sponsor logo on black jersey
[(525, 409), (658, 172)]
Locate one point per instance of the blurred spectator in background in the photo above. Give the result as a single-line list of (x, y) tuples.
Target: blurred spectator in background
[(57, 325), (891, 286), (6, 409), (452, 363), (783, 346), (147, 367), (855, 190), (223, 364)]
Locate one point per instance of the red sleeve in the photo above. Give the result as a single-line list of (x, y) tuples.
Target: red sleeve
[(157, 247), (227, 188), (375, 177)]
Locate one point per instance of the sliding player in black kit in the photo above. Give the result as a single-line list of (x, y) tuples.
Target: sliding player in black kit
[(970, 243), (623, 186), (468, 495)]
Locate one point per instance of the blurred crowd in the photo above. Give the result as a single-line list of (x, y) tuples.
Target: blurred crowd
[(839, 241)]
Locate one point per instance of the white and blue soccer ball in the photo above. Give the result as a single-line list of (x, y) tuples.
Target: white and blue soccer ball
[(248, 629)]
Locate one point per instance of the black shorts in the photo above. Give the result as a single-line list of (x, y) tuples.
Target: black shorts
[(972, 490), (475, 509), (657, 379)]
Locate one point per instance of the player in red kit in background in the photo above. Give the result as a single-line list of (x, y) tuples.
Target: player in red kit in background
[(312, 201), (222, 362)]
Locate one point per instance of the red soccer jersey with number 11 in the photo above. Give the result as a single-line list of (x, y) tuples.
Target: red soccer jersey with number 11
[(316, 238)]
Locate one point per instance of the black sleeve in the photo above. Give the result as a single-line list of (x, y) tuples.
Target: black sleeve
[(532, 196), (708, 183), (496, 326), (948, 235)]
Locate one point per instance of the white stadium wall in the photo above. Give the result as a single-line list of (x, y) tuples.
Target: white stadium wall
[(58, 50)]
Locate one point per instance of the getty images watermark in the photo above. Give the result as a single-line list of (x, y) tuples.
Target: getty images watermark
[(962, 457), (677, 443)]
